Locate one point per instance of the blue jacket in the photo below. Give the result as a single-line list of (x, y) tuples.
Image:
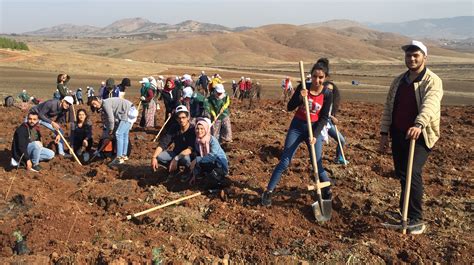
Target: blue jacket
[(216, 154), (114, 93)]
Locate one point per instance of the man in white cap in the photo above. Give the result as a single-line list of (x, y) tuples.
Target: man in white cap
[(412, 111), (182, 135), (55, 108)]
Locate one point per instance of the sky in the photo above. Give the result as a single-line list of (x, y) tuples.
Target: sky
[(19, 16)]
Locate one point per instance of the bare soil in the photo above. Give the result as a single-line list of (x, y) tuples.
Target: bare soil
[(74, 214)]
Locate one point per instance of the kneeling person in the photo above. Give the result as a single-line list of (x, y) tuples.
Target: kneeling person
[(27, 147), (211, 163), (183, 137)]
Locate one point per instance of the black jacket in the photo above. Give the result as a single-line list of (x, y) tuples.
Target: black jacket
[(22, 137), (171, 99)]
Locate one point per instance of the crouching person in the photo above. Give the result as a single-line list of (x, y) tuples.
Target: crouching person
[(210, 166), (81, 135), (118, 115), (27, 148), (183, 137)]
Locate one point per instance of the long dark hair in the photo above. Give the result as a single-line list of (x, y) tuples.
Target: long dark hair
[(336, 97), (321, 64), (86, 121)]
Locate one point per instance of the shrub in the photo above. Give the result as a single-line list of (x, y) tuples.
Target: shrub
[(13, 44)]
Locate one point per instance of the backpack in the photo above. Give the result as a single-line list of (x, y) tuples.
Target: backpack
[(9, 101)]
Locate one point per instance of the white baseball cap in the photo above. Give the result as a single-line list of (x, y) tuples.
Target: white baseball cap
[(417, 44), (219, 88), (187, 92), (144, 80), (181, 108), (69, 100), (186, 77)]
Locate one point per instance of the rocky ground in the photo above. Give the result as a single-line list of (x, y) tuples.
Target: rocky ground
[(77, 214)]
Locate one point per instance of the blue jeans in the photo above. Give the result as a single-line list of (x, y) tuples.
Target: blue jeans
[(61, 142), (121, 134), (332, 133), (165, 158), (39, 153), (297, 133)]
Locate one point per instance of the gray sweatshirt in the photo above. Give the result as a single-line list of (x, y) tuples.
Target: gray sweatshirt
[(114, 110), (52, 108)]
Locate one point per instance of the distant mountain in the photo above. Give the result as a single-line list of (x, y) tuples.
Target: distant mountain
[(442, 28), (65, 30), (336, 24), (129, 26)]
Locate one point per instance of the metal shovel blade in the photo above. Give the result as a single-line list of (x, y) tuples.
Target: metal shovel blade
[(322, 211)]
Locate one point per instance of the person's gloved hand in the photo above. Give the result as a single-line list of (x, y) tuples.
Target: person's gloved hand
[(142, 98)]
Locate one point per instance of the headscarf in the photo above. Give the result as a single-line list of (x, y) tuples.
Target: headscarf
[(204, 142), (169, 88)]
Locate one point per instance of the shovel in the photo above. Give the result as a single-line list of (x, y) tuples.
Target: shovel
[(104, 144), (158, 135), (322, 208), (340, 145), (406, 199)]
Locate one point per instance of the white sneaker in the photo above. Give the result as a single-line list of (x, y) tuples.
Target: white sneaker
[(125, 158), (116, 161)]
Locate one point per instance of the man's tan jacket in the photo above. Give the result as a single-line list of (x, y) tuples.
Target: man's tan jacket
[(428, 92)]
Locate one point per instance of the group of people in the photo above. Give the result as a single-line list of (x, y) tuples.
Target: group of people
[(197, 125)]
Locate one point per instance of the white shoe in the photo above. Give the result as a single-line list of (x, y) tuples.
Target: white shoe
[(125, 158), (116, 161)]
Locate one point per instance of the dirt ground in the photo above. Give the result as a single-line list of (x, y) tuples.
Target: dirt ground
[(73, 214)]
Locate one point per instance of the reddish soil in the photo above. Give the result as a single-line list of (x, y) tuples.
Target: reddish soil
[(74, 214)]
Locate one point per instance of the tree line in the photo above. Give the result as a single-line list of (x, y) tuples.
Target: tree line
[(13, 44)]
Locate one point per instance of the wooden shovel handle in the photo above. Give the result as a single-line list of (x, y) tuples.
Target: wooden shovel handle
[(310, 131), (409, 172), (158, 135), (164, 205), (69, 147)]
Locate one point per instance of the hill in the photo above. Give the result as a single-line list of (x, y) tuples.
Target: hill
[(277, 44), (442, 28), (128, 26)]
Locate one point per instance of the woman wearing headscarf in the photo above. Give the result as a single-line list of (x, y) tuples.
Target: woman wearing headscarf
[(211, 163), (148, 104), (170, 96)]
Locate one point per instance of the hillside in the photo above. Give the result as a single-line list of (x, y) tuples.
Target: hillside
[(279, 43)]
